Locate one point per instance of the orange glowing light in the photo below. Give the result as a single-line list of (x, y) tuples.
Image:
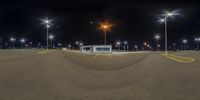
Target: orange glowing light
[(105, 25)]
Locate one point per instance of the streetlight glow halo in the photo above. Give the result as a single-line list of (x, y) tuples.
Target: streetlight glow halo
[(12, 39), (118, 42), (157, 36), (51, 36), (171, 13), (105, 25), (22, 40), (184, 41), (46, 21)]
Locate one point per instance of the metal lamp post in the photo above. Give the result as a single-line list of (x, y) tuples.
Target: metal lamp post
[(145, 46), (105, 26), (77, 44), (174, 46), (136, 47), (125, 45), (157, 37), (166, 15), (118, 43), (197, 40), (105, 33), (12, 40), (22, 40), (184, 42), (47, 23), (51, 37)]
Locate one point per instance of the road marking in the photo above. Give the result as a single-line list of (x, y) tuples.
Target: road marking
[(43, 52), (109, 55), (182, 59)]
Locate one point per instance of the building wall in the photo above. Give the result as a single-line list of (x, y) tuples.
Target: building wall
[(97, 48)]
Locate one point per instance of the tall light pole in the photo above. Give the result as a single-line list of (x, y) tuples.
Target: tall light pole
[(136, 47), (31, 44), (125, 44), (184, 42), (148, 47), (12, 40), (157, 37), (105, 30), (145, 45), (118, 44), (197, 40), (174, 45), (22, 40), (51, 37), (77, 44), (47, 23), (166, 16), (0, 43), (105, 26), (81, 45), (69, 46)]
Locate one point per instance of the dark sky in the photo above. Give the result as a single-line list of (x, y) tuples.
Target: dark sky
[(134, 21)]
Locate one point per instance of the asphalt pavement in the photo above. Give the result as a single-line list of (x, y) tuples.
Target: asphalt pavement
[(61, 75)]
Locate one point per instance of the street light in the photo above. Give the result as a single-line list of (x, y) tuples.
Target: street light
[(145, 45), (136, 47), (157, 37), (166, 15), (184, 42), (22, 40), (77, 44), (69, 46), (48, 23), (0, 42), (197, 40), (105, 26), (51, 37), (125, 44), (12, 40), (174, 45), (118, 43), (148, 46), (81, 44)]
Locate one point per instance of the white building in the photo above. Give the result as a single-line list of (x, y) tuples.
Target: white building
[(97, 48)]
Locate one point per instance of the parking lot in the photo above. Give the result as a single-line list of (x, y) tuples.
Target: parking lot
[(64, 75)]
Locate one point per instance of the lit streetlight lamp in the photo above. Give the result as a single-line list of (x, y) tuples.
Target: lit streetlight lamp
[(22, 40), (105, 26), (77, 44), (125, 45), (149, 47), (157, 37), (174, 45), (69, 46), (12, 40), (81, 44), (197, 40), (136, 47), (0, 43), (184, 43), (51, 37), (118, 44), (47, 23), (166, 15), (145, 45)]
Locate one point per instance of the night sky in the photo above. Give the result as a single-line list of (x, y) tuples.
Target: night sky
[(133, 21)]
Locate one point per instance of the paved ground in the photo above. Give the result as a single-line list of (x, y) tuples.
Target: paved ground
[(59, 75)]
